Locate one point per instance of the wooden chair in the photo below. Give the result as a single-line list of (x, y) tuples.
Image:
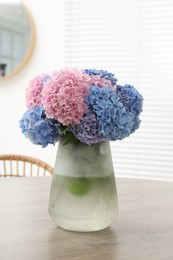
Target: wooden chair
[(13, 165)]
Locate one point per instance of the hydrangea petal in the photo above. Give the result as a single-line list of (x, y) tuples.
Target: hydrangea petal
[(39, 129)]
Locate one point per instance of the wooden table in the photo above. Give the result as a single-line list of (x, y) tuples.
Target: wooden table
[(142, 230)]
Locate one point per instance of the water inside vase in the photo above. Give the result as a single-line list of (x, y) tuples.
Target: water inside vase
[(83, 203)]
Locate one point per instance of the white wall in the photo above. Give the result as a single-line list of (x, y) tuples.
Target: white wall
[(148, 153), (45, 58)]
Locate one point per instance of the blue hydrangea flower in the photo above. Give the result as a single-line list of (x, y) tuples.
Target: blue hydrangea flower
[(115, 122), (87, 130), (103, 74), (39, 129), (131, 98), (136, 124)]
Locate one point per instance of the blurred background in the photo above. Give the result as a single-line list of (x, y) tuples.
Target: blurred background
[(133, 39)]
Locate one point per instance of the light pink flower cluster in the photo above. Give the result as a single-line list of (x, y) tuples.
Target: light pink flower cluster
[(34, 90), (101, 82), (63, 96)]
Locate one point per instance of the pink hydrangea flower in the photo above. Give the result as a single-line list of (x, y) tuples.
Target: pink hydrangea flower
[(34, 90), (63, 96), (101, 82)]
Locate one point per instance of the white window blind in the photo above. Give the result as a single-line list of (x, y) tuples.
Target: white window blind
[(134, 40)]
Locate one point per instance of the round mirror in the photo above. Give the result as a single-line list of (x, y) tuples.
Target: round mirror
[(16, 37)]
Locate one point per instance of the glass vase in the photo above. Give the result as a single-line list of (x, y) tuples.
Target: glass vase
[(83, 195)]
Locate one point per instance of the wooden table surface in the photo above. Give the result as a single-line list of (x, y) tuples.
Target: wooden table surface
[(142, 230)]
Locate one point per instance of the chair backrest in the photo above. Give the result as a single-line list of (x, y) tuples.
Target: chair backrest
[(13, 165)]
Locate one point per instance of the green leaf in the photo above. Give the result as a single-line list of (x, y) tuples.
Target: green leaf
[(63, 129), (70, 139)]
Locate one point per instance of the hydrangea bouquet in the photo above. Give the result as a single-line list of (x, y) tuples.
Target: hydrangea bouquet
[(87, 106), (84, 110)]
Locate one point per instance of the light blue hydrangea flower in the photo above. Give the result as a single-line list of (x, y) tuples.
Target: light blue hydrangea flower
[(115, 122), (130, 97), (39, 129), (136, 124)]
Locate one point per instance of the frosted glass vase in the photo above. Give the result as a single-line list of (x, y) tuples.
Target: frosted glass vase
[(83, 195)]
